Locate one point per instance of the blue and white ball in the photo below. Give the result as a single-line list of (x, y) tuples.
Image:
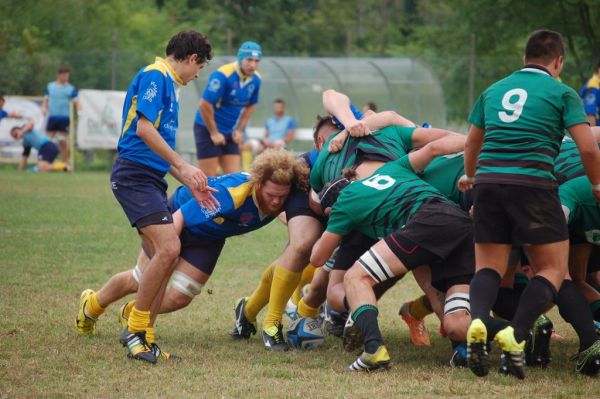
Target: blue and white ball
[(305, 333)]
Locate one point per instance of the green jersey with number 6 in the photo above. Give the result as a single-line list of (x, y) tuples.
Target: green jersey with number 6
[(387, 144), (582, 210), (382, 203), (524, 117)]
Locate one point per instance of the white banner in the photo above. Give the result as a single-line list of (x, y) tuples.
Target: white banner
[(99, 124)]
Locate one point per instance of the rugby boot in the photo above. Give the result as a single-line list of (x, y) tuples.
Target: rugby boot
[(334, 321), (537, 347), (588, 361), (162, 355), (380, 360), (478, 358), (513, 352), (459, 356), (137, 346), (352, 339), (83, 324), (274, 339), (243, 328), (418, 333)]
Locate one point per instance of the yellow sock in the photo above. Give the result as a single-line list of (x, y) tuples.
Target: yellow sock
[(58, 166), (307, 276), (282, 287), (246, 160), (138, 320), (150, 335), (260, 296), (419, 308), (128, 307), (92, 308), (305, 310)]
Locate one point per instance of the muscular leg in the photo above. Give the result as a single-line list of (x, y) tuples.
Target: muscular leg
[(230, 163), (209, 165), (174, 298)]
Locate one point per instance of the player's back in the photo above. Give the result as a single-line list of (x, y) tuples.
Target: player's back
[(524, 117)]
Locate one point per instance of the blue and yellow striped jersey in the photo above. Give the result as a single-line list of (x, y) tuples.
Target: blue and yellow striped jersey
[(228, 90), (237, 214), (590, 94), (153, 93)]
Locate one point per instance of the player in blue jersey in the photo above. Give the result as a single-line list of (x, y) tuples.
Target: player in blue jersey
[(228, 102), (590, 94), (47, 150), (246, 203), (56, 105), (146, 154)]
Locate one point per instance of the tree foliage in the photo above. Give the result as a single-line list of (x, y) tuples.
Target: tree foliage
[(106, 41)]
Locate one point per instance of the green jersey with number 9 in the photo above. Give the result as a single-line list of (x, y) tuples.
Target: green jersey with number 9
[(382, 203), (524, 117)]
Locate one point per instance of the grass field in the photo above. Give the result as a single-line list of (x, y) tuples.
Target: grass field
[(60, 234)]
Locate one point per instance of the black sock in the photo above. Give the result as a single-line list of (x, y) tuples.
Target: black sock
[(483, 291), (506, 303), (574, 309), (365, 317), (539, 295)]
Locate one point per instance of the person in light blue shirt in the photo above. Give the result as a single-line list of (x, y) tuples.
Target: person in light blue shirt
[(228, 102), (279, 131), (47, 150), (56, 105)]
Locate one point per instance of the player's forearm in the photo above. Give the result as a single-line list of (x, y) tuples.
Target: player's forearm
[(380, 120), (153, 139), (590, 157), (289, 137), (592, 120), (207, 111), (338, 105), (245, 116), (450, 144)]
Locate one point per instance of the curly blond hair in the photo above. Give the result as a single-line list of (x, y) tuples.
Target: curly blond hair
[(280, 167)]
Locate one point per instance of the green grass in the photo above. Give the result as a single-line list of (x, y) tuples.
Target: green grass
[(62, 233)]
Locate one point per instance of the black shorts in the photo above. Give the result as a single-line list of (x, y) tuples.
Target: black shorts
[(48, 152), (205, 147), (352, 247), (594, 261), (439, 235), (510, 214), (142, 193), (200, 252), (297, 205), (58, 124)]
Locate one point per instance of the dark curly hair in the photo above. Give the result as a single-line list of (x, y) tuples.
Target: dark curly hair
[(188, 42)]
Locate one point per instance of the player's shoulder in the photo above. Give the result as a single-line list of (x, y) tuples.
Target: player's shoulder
[(227, 70), (593, 82), (156, 68)]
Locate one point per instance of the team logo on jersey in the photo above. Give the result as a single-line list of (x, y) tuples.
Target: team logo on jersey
[(214, 85), (250, 90), (170, 126), (151, 92), (590, 99)]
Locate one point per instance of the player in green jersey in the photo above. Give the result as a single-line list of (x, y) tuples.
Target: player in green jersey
[(412, 216), (522, 118), (568, 164)]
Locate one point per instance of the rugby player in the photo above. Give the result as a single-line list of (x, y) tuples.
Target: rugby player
[(395, 203), (228, 102), (522, 118), (247, 202), (145, 148), (47, 150)]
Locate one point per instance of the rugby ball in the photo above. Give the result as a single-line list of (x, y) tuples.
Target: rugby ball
[(305, 333)]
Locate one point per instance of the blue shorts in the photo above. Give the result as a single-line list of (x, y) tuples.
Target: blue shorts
[(200, 252), (142, 193), (58, 124), (205, 147), (48, 152)]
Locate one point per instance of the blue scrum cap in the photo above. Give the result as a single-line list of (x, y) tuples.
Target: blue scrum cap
[(249, 50)]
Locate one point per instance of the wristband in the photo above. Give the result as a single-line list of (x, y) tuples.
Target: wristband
[(595, 187)]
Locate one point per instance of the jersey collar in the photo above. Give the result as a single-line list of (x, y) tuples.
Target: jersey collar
[(170, 70), (261, 215), (536, 68)]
